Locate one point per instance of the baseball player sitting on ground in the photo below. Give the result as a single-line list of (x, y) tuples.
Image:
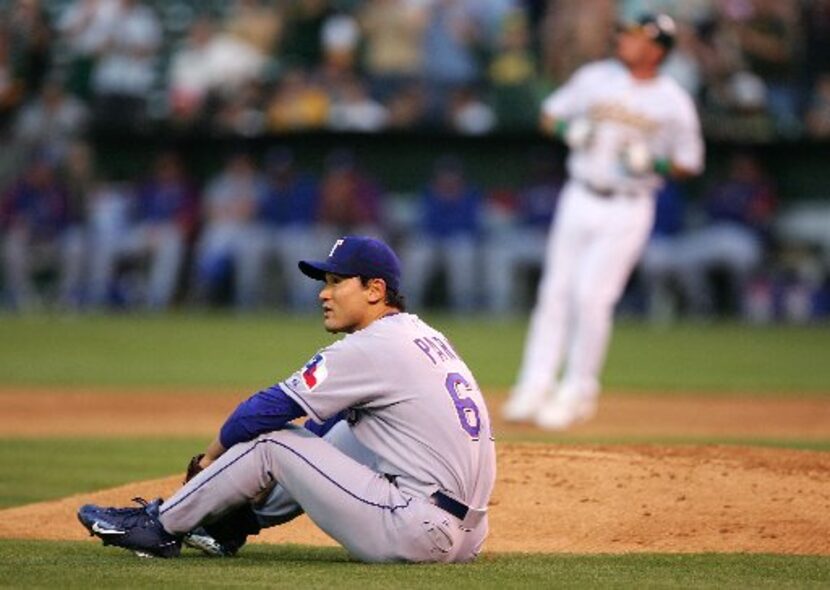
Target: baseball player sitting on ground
[(627, 126), (405, 464)]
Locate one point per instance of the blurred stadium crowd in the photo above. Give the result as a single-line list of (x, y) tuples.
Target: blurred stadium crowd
[(757, 67), (74, 238)]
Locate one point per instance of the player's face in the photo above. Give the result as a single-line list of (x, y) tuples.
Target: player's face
[(634, 48), (345, 303)]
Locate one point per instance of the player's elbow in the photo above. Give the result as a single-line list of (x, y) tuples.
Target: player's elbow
[(683, 172), (547, 124)]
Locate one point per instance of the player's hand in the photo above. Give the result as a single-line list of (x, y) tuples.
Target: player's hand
[(637, 158), (578, 133), (194, 467)]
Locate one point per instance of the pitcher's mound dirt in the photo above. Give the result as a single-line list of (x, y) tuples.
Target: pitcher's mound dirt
[(588, 499)]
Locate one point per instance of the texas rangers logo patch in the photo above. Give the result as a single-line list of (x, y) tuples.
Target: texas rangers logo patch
[(315, 372)]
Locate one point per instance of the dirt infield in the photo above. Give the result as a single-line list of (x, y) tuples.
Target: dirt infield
[(549, 497)]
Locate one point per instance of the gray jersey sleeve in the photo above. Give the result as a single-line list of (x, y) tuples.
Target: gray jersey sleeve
[(337, 377)]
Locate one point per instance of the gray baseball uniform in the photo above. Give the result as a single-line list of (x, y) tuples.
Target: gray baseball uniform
[(407, 477)]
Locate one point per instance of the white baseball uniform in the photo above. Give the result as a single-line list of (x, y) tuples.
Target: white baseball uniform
[(418, 438), (604, 217)]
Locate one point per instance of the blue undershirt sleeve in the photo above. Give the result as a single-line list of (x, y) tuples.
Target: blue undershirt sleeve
[(265, 411), (322, 429)]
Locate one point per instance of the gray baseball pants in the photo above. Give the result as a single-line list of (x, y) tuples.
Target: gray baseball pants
[(331, 479)]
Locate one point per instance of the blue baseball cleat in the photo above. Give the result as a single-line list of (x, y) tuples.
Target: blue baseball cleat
[(137, 529)]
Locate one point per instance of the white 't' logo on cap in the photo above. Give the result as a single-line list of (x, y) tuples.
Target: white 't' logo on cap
[(337, 244)]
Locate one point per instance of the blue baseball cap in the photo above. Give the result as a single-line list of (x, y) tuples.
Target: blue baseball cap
[(353, 256)]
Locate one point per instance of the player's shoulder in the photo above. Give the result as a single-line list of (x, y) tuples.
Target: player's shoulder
[(397, 322), (671, 86), (392, 326), (678, 97), (598, 70), (381, 343)]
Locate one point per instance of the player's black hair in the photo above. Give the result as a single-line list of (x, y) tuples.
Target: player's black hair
[(393, 298)]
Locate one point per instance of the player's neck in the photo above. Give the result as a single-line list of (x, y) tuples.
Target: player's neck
[(374, 314), (644, 72)]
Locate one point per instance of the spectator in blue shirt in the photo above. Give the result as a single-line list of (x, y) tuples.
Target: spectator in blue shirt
[(738, 210), (518, 236), (37, 234), (658, 267), (447, 236), (160, 221), (284, 229), (230, 203)]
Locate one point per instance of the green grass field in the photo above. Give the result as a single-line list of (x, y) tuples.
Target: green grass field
[(84, 565), (227, 352), (249, 351)]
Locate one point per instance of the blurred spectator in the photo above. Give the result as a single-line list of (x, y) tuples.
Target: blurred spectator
[(393, 31), (285, 229), (84, 26), (512, 75), (767, 34), (31, 44), (817, 118), (257, 23), (520, 243), (575, 32), (491, 16), (51, 121), (354, 110), (739, 210), (682, 63), (446, 236), (407, 107), (658, 267), (38, 237), (79, 177), (108, 212), (241, 113), (11, 85), (230, 203), (467, 114), (340, 37), (718, 56), (302, 44), (125, 70), (161, 216), (209, 65), (349, 199), (297, 104), (684, 10), (733, 98), (450, 59), (816, 58), (802, 265)]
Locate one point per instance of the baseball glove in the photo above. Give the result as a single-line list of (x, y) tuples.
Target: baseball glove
[(193, 468), (637, 158), (579, 133)]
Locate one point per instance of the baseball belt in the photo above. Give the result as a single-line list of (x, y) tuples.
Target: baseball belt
[(606, 193), (447, 504), (469, 517)]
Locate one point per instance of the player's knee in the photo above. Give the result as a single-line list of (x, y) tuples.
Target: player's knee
[(595, 304)]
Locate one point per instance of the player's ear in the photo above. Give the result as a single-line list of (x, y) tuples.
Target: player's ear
[(376, 290)]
